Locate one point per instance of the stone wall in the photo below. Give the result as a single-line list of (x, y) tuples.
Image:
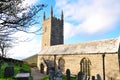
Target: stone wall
[(52, 32), (72, 62), (112, 66), (56, 31), (46, 30)]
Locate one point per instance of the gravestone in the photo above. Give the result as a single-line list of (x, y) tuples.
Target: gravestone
[(9, 72), (93, 77), (22, 76), (80, 76), (98, 77), (68, 74)]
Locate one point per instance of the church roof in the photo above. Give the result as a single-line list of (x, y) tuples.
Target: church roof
[(92, 47)]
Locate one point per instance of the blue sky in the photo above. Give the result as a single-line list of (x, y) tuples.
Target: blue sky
[(84, 20)]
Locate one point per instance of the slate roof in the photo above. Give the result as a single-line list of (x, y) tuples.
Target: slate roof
[(92, 47)]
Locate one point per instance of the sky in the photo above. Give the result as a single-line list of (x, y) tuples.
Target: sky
[(84, 20)]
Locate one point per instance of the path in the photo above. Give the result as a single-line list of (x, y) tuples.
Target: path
[(36, 74)]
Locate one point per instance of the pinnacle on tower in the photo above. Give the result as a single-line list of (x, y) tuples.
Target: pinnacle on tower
[(51, 12), (62, 15), (44, 16)]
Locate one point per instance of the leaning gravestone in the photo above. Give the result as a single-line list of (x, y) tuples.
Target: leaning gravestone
[(8, 72)]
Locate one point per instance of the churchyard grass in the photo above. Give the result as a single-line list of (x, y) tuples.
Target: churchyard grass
[(63, 78), (71, 78), (17, 69), (46, 78), (2, 71)]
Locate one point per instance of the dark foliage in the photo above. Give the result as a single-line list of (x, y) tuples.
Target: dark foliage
[(24, 71)]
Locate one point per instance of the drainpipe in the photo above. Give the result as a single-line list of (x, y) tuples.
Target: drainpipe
[(103, 58), (55, 62)]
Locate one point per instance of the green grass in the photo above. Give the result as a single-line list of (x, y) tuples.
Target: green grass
[(16, 69), (46, 78), (2, 71), (31, 78), (26, 67), (6, 79), (72, 78), (63, 78)]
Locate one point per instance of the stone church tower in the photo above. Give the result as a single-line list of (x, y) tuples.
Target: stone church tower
[(52, 29)]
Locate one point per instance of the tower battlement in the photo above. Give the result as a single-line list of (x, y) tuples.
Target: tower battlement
[(52, 29)]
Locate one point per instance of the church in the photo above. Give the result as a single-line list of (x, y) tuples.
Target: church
[(99, 59)]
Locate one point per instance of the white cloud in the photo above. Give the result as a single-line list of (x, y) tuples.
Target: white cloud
[(27, 44), (68, 29), (90, 16), (26, 48), (28, 2)]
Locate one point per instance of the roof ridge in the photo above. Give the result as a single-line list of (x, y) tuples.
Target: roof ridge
[(118, 38)]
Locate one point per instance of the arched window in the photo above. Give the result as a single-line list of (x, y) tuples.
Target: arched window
[(85, 66), (61, 64)]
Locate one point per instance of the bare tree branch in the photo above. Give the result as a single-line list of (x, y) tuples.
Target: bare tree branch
[(14, 18)]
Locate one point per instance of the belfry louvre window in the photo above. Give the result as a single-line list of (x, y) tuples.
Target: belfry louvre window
[(85, 66)]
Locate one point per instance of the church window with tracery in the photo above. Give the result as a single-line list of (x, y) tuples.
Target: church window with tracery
[(85, 66)]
